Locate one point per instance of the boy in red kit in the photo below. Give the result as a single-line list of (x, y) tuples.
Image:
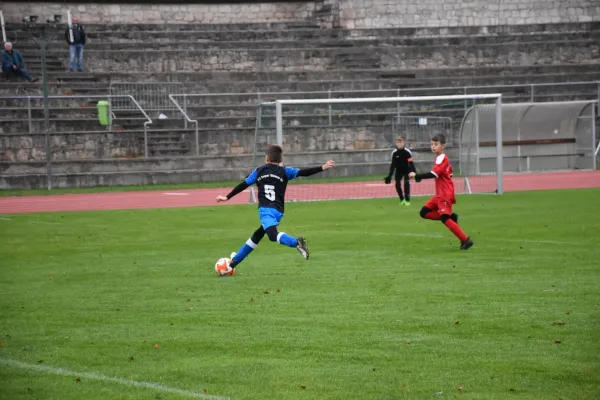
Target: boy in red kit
[(439, 207)]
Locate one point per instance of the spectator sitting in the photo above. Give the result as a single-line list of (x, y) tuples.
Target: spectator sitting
[(75, 46), (13, 63)]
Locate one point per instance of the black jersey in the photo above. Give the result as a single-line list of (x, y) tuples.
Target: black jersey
[(271, 181), (402, 162)]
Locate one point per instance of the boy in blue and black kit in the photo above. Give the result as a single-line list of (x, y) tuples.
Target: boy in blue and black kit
[(271, 180)]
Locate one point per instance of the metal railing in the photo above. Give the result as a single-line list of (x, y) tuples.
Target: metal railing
[(152, 96), (533, 91), (133, 100)]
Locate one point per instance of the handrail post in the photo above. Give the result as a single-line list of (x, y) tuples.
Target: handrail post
[(3, 29), (29, 114), (397, 109), (146, 139), (531, 92), (185, 122), (259, 116), (329, 97)]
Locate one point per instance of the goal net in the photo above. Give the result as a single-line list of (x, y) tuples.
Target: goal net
[(359, 134)]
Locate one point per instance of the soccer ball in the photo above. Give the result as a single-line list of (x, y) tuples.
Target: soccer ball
[(222, 267)]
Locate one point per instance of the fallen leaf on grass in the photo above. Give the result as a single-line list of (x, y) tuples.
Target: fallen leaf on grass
[(51, 278), (460, 389), (189, 309), (1, 345), (251, 299), (559, 323), (457, 322), (205, 390), (567, 313), (302, 387), (78, 380), (278, 290), (409, 342), (40, 361), (156, 346), (266, 292), (511, 390), (557, 341), (131, 357), (188, 299)]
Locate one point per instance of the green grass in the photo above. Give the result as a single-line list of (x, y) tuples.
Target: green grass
[(387, 307), (179, 186)]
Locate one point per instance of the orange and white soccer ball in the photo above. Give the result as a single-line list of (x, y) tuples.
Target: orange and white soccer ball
[(222, 267)]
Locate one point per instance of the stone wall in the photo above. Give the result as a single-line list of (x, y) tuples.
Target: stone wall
[(349, 13), (32, 147), (449, 13), (163, 14)]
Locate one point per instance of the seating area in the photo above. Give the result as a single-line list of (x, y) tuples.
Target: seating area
[(250, 63)]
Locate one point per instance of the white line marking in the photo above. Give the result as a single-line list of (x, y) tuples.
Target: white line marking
[(5, 219), (378, 184), (98, 377), (43, 222), (176, 194)]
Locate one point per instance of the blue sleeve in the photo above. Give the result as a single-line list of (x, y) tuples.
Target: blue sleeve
[(291, 173), (251, 179)]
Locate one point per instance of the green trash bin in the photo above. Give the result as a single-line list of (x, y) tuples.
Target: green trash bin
[(104, 113)]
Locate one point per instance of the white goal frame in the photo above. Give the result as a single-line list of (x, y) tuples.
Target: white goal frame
[(491, 96)]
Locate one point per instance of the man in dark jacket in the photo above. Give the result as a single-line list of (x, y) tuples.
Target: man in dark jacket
[(75, 45), (13, 63)]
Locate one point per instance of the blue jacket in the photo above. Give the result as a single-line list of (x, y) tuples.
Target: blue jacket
[(10, 59)]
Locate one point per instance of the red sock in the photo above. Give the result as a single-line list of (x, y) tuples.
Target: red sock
[(456, 230), (434, 215)]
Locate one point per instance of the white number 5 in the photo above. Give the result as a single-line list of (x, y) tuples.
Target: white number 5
[(270, 192)]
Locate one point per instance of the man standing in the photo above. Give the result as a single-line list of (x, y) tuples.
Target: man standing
[(75, 45), (13, 63)]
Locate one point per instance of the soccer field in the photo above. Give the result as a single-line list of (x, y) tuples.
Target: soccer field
[(126, 304)]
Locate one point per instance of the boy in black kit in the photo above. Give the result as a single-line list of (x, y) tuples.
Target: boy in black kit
[(402, 162)]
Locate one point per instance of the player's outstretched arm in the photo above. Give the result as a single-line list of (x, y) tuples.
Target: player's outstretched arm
[(420, 177), (236, 190), (293, 173), (250, 180)]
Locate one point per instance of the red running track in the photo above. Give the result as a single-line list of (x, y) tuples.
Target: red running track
[(300, 192)]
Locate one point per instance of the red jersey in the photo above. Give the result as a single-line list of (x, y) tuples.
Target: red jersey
[(444, 186)]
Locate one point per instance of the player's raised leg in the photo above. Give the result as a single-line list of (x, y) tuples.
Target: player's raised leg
[(288, 240), (270, 218), (247, 247)]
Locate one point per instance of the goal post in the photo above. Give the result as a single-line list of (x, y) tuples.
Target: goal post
[(285, 109)]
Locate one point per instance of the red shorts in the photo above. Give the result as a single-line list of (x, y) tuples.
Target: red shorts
[(440, 205)]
